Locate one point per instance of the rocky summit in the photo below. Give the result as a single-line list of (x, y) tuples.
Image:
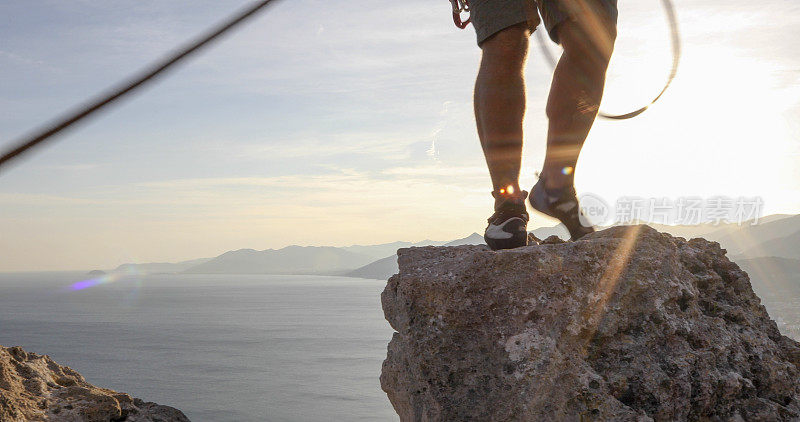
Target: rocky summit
[(35, 388), (626, 324)]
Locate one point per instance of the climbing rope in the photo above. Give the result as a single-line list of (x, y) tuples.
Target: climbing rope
[(126, 87), (675, 41), (157, 69)]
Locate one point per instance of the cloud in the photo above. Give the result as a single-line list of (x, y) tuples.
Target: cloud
[(11, 200), (19, 59), (443, 171), (79, 166), (356, 114)]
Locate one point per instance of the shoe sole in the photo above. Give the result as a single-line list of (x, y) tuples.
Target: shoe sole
[(515, 228), (536, 199)]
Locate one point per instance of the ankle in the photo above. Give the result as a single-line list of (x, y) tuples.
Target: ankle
[(559, 178), (507, 190), (504, 196)]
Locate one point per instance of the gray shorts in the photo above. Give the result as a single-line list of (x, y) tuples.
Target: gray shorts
[(492, 16)]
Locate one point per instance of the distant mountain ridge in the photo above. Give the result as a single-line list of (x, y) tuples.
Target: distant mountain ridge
[(384, 249), (384, 268), (288, 260), (379, 270), (772, 276), (782, 247), (775, 236), (160, 267), (737, 238)]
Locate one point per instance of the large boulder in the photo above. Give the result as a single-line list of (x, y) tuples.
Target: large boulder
[(35, 388), (625, 324)]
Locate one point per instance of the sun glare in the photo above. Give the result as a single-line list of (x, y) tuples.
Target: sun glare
[(719, 127)]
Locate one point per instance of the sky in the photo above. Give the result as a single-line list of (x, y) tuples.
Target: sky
[(321, 124)]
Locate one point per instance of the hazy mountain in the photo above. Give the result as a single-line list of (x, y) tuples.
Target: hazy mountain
[(783, 247), (773, 277), (732, 236), (289, 260), (767, 238), (382, 250), (545, 232), (473, 239), (723, 232), (381, 269), (160, 267), (686, 232), (736, 239), (384, 268), (377, 251), (777, 282)]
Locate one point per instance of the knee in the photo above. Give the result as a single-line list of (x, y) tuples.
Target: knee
[(507, 49), (591, 42)]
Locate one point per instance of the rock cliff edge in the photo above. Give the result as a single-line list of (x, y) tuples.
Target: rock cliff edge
[(625, 324), (34, 388)]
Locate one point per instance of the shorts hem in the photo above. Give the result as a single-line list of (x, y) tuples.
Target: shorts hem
[(487, 32)]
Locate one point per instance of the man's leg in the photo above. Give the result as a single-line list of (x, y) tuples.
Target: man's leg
[(500, 103), (499, 110), (575, 94)]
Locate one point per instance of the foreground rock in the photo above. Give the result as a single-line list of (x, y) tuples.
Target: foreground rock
[(34, 388), (625, 324)]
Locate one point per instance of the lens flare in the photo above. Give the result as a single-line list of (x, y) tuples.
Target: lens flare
[(103, 279), (566, 171), (607, 284), (92, 282)]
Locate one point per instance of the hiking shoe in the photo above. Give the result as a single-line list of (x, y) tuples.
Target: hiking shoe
[(562, 205), (508, 226)]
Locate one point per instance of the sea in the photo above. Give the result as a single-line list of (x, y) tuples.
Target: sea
[(218, 347)]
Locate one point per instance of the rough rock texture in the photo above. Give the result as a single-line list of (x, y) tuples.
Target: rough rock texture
[(34, 388), (625, 324)]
